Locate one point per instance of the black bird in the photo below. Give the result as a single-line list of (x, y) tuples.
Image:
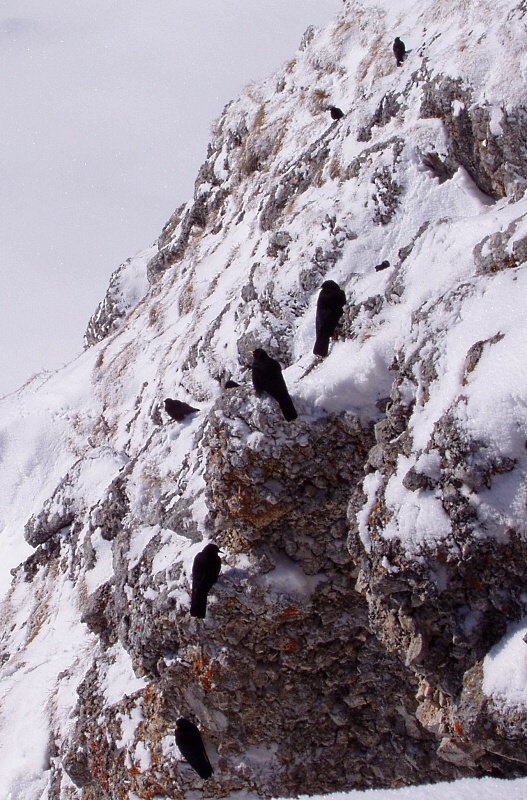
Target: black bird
[(178, 410), (336, 112), (330, 305), (267, 377), (190, 743), (399, 51), (382, 265), (230, 384), (205, 572)]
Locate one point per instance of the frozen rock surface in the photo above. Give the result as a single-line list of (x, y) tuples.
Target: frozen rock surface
[(367, 627)]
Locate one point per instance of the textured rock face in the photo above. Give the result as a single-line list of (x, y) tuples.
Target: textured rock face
[(443, 610), (493, 154), (282, 673), (127, 287), (374, 549)]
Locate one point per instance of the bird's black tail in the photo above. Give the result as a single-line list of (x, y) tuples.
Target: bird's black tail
[(288, 409), (321, 347), (198, 605), (204, 770)]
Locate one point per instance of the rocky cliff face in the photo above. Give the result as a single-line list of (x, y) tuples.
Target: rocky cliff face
[(374, 549)]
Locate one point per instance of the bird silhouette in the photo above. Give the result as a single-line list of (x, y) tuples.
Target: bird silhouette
[(267, 377), (336, 112), (190, 743), (330, 305), (205, 572), (178, 410), (399, 51)]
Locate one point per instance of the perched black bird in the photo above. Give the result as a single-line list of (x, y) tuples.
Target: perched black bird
[(205, 572), (267, 377), (336, 112), (178, 410), (190, 743), (230, 384), (399, 51), (330, 305), (382, 265)]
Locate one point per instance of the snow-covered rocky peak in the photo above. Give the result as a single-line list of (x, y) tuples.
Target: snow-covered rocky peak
[(373, 548)]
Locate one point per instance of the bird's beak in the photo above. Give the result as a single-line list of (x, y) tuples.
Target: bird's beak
[(251, 352)]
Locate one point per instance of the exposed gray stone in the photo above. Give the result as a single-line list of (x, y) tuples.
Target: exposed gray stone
[(386, 110), (496, 163)]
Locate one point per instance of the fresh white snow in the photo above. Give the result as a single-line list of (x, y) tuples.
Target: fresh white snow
[(99, 407)]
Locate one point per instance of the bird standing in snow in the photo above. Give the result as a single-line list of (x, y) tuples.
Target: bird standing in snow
[(178, 410), (399, 51), (267, 377), (205, 572), (336, 112), (330, 305), (190, 743)]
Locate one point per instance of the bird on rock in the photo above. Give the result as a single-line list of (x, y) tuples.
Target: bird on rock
[(399, 51), (190, 743), (205, 572), (330, 305), (336, 112), (178, 410), (267, 377)]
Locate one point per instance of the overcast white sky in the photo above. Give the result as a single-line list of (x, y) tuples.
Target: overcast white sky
[(106, 110)]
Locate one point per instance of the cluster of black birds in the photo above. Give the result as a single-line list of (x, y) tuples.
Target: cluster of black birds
[(399, 51), (266, 371), (206, 569), (267, 378)]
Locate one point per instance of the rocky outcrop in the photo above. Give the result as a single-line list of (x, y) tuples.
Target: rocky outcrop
[(302, 624), (286, 638), (128, 285), (493, 152), (371, 556)]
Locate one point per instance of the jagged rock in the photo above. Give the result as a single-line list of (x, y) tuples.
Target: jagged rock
[(373, 549), (285, 637), (45, 553), (110, 512), (38, 529), (99, 614), (475, 353), (386, 110), (294, 182), (443, 169), (493, 161), (497, 251), (278, 242), (286, 481), (128, 285), (58, 513)]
